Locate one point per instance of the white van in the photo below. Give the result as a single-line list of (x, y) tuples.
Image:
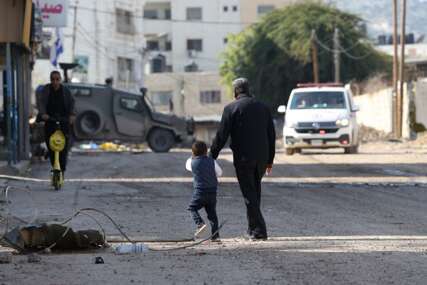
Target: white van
[(320, 116)]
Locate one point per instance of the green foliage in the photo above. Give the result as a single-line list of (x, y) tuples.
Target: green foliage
[(275, 54)]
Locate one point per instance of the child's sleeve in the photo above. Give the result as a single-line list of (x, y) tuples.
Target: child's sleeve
[(188, 165), (218, 169)]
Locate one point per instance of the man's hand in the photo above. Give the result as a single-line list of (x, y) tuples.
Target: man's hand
[(269, 169), (45, 117)]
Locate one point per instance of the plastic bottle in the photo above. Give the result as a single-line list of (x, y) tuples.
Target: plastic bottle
[(138, 247)]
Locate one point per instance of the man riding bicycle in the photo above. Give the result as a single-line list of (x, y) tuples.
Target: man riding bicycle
[(55, 103)]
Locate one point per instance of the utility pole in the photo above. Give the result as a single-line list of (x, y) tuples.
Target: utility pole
[(75, 29), (97, 55), (314, 57), (337, 58), (402, 71), (395, 69)]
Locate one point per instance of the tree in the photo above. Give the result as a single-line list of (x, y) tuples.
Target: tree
[(275, 54)]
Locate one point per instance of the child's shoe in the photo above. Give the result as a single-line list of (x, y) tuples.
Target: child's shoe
[(200, 230)]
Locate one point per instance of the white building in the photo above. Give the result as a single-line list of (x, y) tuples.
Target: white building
[(190, 35), (105, 37)]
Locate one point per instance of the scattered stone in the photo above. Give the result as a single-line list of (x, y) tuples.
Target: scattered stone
[(5, 257), (99, 260), (34, 258)]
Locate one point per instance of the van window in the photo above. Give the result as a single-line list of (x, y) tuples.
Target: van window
[(77, 92), (131, 104), (318, 100)]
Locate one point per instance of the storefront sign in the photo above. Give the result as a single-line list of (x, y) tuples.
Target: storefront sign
[(54, 12)]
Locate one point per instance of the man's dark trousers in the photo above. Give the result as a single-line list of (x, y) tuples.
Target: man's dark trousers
[(249, 175), (207, 201)]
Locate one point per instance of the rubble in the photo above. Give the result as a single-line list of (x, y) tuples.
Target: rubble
[(34, 258), (368, 134), (93, 147), (5, 257), (52, 236)]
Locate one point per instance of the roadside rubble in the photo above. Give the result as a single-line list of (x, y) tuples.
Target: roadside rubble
[(108, 147), (37, 238), (367, 134)]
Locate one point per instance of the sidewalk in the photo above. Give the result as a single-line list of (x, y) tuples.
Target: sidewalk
[(21, 168)]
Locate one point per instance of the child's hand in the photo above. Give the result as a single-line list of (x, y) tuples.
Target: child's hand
[(269, 169)]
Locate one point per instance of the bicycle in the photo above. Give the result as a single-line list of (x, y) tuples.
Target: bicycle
[(57, 143)]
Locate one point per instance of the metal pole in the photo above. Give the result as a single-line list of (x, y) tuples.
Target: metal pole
[(395, 68), (75, 29), (402, 70), (337, 58), (8, 106), (314, 57)]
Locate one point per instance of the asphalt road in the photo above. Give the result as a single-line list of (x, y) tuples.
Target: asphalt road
[(332, 219)]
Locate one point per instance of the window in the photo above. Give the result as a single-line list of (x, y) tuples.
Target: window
[(161, 98), (125, 69), (168, 46), (225, 8), (168, 14), (195, 44), (124, 22), (153, 45), (225, 40), (80, 92), (234, 8), (194, 14), (265, 9), (131, 104), (151, 14), (318, 100), (158, 64), (192, 67), (210, 97)]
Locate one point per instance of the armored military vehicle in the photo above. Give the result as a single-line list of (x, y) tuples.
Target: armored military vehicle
[(106, 114)]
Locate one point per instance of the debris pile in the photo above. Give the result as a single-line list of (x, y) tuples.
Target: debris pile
[(52, 236), (108, 147), (368, 134)]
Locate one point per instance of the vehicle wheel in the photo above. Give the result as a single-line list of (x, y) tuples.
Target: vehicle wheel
[(161, 140), (351, 150), (290, 151), (90, 123)]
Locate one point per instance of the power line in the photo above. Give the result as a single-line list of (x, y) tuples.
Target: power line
[(341, 49)]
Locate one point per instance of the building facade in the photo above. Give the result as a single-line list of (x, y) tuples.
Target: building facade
[(190, 35), (16, 59), (105, 38)]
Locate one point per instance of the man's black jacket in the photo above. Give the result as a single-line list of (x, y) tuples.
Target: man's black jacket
[(43, 99), (250, 125)]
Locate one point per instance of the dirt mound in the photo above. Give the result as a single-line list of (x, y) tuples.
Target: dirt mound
[(368, 134), (421, 139)]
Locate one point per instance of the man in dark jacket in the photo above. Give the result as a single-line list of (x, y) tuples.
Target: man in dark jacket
[(250, 126), (56, 102)]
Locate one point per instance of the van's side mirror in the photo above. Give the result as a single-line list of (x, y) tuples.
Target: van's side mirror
[(281, 109), (356, 108)]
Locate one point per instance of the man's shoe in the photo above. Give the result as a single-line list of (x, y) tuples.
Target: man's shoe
[(200, 230), (254, 237), (216, 238), (259, 238)]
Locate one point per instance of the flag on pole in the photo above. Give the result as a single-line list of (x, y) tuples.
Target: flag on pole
[(57, 48)]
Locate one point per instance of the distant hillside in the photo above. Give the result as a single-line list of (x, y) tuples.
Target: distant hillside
[(378, 15)]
